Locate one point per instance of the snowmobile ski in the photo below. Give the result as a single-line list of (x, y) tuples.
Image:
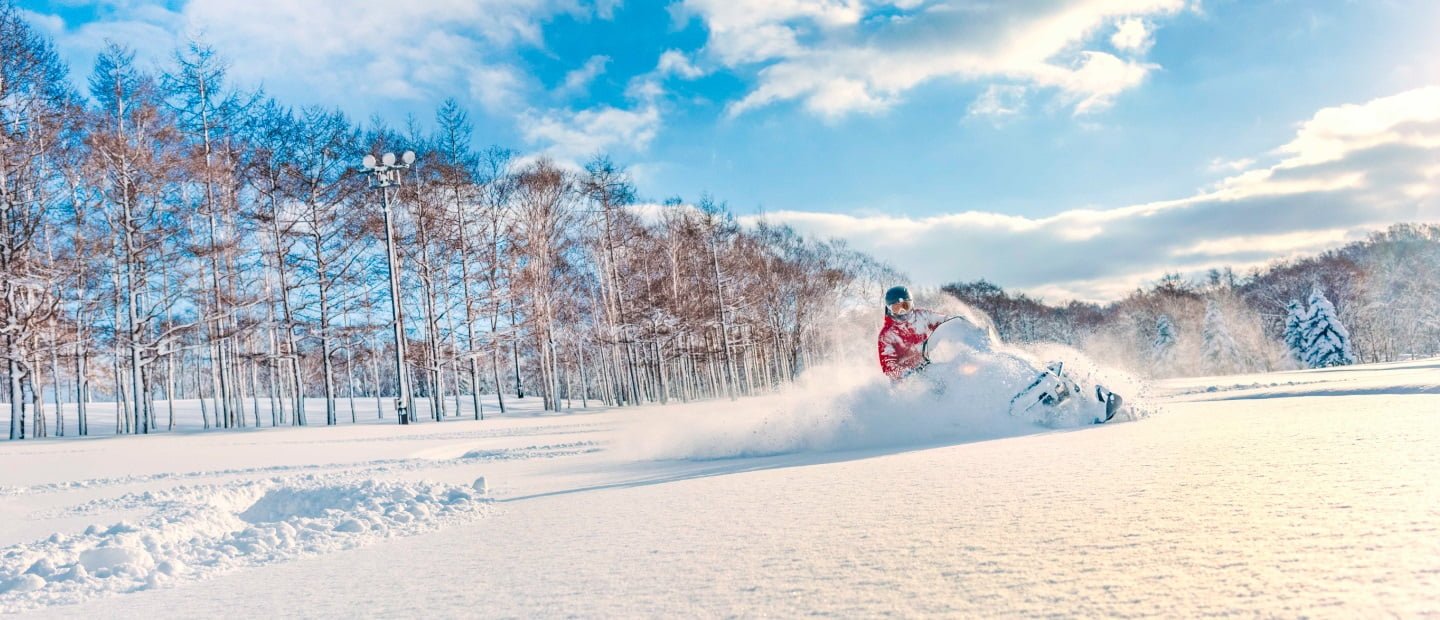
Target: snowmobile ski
[(1112, 401)]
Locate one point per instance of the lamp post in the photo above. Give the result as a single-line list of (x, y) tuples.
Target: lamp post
[(384, 174)]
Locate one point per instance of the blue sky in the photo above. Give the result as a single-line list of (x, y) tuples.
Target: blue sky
[(1070, 149)]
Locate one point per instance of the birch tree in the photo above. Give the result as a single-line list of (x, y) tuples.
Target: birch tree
[(275, 137), (609, 191), (544, 220)]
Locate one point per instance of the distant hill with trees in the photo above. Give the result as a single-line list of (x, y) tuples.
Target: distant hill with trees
[(1383, 292)]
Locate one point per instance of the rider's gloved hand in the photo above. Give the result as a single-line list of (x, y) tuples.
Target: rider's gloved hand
[(916, 370)]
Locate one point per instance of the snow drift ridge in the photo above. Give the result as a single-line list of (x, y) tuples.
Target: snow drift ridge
[(203, 530)]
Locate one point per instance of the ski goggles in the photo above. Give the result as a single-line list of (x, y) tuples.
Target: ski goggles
[(901, 307)]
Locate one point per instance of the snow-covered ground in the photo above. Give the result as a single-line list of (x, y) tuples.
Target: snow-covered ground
[(1311, 493)]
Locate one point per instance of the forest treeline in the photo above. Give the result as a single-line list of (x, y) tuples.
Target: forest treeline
[(1384, 291), (167, 235)]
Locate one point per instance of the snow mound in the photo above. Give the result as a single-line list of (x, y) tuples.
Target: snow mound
[(963, 396), (200, 531)]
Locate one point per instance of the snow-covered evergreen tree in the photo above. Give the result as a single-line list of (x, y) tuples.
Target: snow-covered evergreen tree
[(1327, 342), (1295, 319), (1221, 352), (1162, 350)]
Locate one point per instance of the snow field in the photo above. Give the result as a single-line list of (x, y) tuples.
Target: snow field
[(1281, 507), (1310, 493)]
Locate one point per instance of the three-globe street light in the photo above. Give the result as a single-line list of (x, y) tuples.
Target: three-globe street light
[(384, 174)]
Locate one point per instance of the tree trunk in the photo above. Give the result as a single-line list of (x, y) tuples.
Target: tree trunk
[(170, 387), (720, 316), (272, 372), (17, 413), (432, 325), (59, 403), (326, 366), (122, 397), (375, 363), (350, 382), (37, 402), (495, 370), (82, 392), (255, 390), (584, 379), (221, 420)]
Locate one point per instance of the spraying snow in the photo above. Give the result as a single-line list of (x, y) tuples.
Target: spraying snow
[(964, 395)]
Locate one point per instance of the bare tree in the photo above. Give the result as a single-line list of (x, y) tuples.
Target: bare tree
[(456, 167), (609, 192), (496, 187), (325, 190), (211, 117), (275, 138), (544, 228)]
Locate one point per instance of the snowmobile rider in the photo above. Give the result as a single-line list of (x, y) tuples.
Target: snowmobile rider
[(906, 328)]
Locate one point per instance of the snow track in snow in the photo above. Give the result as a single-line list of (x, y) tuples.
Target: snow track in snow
[(200, 531), (369, 467)]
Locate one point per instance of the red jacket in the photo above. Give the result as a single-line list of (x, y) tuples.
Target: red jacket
[(900, 341)]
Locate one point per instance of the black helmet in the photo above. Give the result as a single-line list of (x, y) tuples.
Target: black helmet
[(896, 294)]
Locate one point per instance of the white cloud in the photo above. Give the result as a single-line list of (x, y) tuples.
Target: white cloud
[(605, 9), (645, 88), (999, 102), (570, 136), (361, 52), (1220, 164), (675, 62), (573, 136), (1281, 244), (578, 81), (1350, 169), (496, 87), (153, 38), (650, 87), (434, 48), (1096, 79), (1333, 133), (1132, 35), (840, 57), (744, 31)]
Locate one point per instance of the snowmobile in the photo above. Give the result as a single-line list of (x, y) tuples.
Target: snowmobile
[(1050, 386)]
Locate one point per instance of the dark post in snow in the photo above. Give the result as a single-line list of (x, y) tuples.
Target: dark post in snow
[(384, 174)]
